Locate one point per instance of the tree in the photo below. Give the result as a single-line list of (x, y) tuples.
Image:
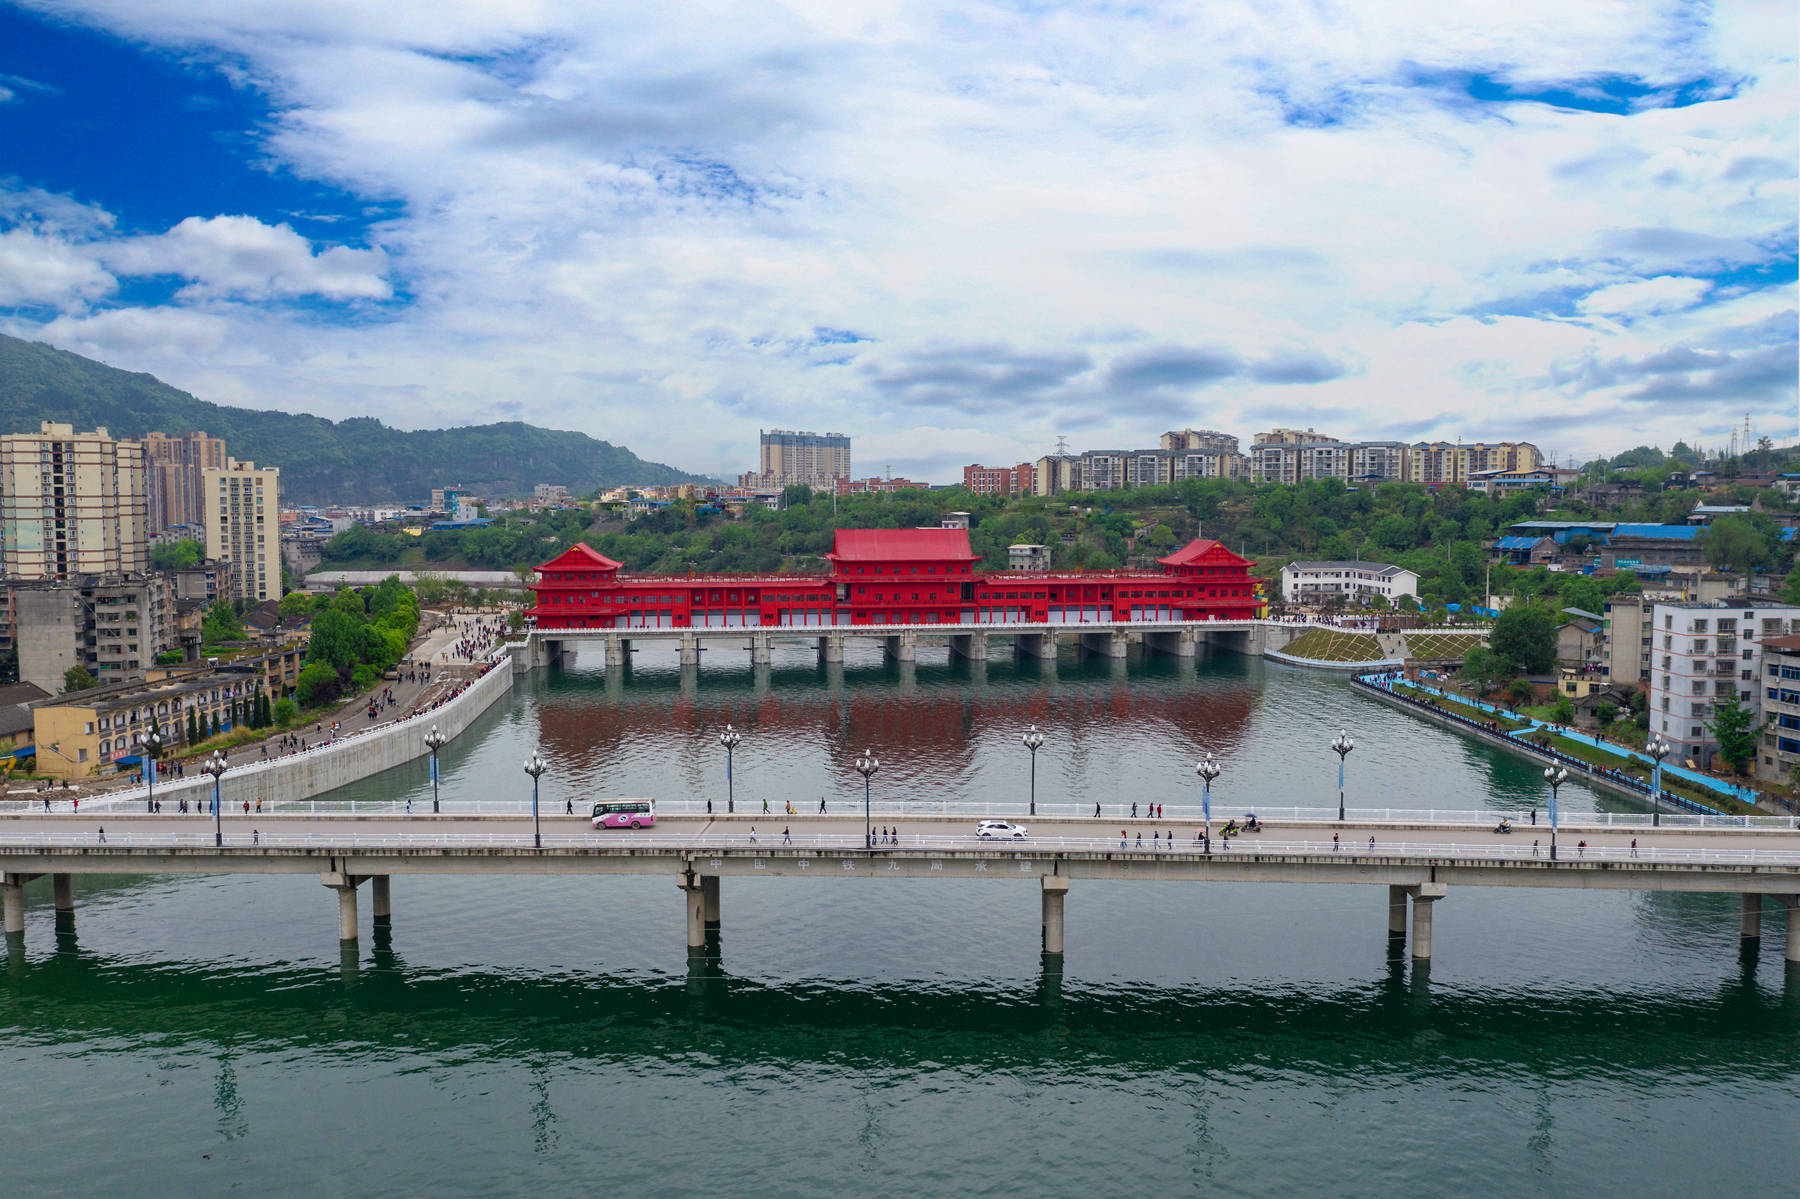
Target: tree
[(173, 555), (221, 624), (1579, 591), (1735, 543), (1607, 713), (318, 684), (1731, 728), (1790, 587), (286, 712), (1519, 691), (295, 604), (1482, 668), (1525, 637), (77, 678), (1564, 712), (193, 728)]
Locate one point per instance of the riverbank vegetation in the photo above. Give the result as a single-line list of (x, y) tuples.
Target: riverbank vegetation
[(357, 634)]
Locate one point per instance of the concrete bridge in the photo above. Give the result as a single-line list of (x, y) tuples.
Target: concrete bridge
[(1182, 638), (1419, 863)]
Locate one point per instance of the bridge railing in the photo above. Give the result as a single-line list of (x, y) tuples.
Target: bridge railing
[(1183, 812), (1257, 847)]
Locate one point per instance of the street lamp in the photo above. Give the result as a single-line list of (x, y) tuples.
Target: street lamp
[(153, 741), (1343, 745), (434, 740), (730, 739), (1658, 749), (215, 766), (866, 766), (535, 766), (1556, 776), (1208, 770), (1034, 741)]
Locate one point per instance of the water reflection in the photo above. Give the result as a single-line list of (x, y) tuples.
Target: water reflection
[(1394, 1025), (949, 730)]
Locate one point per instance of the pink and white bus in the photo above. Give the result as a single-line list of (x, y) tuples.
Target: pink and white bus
[(625, 813)]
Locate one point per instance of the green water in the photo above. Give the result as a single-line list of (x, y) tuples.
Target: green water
[(552, 1036)]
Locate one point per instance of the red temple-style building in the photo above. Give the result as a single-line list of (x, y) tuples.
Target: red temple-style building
[(893, 577)]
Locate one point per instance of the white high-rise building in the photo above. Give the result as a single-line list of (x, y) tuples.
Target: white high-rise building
[(1700, 652), (243, 526), (72, 504)]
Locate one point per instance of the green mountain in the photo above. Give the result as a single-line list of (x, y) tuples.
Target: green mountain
[(359, 460)]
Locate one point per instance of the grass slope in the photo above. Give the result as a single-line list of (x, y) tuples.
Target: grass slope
[(1331, 645)]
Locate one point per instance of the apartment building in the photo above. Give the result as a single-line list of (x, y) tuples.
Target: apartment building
[(71, 504), (1778, 751), (789, 457), (1306, 436), (1628, 637), (243, 527), (1000, 480), (175, 468), (1295, 462), (1443, 462), (1701, 651), (112, 625)]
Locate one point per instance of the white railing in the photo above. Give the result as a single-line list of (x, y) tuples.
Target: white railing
[(1183, 814), (1258, 847)]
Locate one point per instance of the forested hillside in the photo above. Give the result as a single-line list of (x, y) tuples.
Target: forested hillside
[(359, 460)]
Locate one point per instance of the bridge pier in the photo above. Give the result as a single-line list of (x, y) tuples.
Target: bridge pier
[(1750, 922), (762, 651), (831, 647), (694, 902), (345, 885), (690, 650), (1423, 896), (1397, 910), (1792, 903), (972, 646), (902, 647), (346, 912), (709, 900), (618, 653), (1056, 890), (12, 899), (381, 907), (1037, 645)]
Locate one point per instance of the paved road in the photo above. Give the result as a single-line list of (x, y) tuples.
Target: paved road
[(838, 832)]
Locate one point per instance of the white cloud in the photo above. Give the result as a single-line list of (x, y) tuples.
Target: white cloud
[(42, 270), (1646, 297), (631, 219), (240, 257)]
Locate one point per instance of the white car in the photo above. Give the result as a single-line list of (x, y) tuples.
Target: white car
[(1000, 830)]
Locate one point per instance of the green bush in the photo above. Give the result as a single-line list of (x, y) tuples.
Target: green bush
[(286, 712)]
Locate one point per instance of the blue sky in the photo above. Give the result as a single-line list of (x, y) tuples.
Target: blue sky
[(953, 230)]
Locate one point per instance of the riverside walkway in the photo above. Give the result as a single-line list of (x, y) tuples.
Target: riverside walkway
[(1418, 861)]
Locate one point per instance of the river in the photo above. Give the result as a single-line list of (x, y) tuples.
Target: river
[(549, 1035)]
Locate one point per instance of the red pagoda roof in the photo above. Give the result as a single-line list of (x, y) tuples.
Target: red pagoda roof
[(901, 545), (1194, 551), (580, 557)]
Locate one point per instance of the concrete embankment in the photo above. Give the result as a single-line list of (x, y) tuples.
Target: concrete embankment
[(1588, 774), (324, 768)]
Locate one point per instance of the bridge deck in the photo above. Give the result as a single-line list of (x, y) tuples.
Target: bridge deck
[(1407, 854)]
